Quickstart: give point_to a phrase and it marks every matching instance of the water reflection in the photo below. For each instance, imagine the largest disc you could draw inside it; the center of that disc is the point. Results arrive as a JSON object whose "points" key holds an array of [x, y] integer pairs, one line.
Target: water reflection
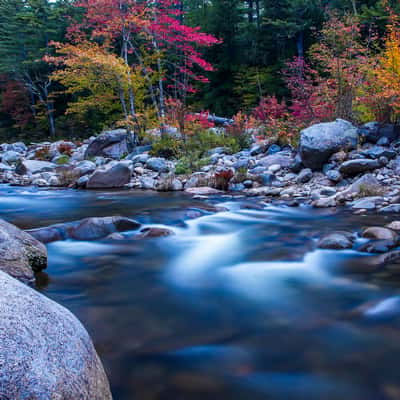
{"points": [[236, 305]]}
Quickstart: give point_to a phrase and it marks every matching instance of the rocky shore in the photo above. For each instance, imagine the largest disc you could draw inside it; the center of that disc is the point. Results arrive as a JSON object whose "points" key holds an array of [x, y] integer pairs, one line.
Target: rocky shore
{"points": [[335, 164]]}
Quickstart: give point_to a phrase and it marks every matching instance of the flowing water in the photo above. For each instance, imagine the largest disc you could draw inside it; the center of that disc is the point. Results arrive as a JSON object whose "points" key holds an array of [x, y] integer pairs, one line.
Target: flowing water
{"points": [[236, 304]]}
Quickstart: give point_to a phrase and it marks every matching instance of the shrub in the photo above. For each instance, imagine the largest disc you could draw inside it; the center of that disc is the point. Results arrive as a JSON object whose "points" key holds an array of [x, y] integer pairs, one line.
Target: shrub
{"points": [[167, 147]]}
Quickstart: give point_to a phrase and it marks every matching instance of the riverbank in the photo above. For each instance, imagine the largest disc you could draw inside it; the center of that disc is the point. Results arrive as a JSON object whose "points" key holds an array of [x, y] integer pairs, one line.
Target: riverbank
{"points": [[335, 164]]}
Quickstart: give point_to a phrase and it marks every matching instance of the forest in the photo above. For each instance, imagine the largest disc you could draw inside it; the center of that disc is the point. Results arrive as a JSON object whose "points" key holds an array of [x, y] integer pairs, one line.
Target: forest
{"points": [[70, 69]]}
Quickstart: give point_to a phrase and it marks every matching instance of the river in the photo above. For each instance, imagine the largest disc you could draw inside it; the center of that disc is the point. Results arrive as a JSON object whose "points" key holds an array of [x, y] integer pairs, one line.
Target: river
{"points": [[237, 304]]}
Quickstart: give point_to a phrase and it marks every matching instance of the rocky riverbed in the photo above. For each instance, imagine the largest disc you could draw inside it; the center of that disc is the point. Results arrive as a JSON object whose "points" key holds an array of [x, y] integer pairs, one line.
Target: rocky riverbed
{"points": [[335, 164], [225, 297]]}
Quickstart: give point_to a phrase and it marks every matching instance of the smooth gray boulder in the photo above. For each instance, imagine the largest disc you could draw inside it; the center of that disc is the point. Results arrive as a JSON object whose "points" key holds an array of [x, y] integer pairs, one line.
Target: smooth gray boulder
{"points": [[20, 254], [34, 167], [114, 144], [319, 142], [45, 352], [114, 177]]}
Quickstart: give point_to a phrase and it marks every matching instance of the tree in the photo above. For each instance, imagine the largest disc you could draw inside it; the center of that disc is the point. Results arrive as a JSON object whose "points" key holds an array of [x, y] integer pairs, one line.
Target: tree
{"points": [[35, 23]]}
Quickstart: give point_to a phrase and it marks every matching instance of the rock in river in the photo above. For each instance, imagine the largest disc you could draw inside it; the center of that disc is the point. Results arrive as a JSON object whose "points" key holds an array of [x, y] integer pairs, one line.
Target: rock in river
{"points": [[379, 233], [86, 229], [336, 241], [20, 253], [45, 352]]}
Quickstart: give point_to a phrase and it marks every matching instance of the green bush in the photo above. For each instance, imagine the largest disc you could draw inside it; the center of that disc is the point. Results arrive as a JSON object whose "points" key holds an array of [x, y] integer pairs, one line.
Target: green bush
{"points": [[167, 147]]}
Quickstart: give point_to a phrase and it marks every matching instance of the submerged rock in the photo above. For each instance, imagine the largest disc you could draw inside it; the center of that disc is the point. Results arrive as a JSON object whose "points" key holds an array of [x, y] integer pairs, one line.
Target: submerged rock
{"points": [[153, 232], [336, 241], [20, 254], [379, 233], [45, 352], [86, 229]]}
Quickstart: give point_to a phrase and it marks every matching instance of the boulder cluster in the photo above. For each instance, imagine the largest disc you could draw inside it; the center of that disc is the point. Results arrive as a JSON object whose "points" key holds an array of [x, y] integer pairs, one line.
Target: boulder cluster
{"points": [[335, 163]]}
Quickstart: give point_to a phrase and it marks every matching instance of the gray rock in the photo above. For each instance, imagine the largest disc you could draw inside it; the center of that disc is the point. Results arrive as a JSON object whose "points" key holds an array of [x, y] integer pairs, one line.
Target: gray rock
{"points": [[34, 167], [45, 352], [97, 228], [258, 149], [202, 191], [217, 150], [379, 233], [139, 158], [82, 182], [85, 167], [148, 183], [111, 144], [4, 167], [242, 163], [336, 241], [383, 141], [367, 184], [355, 167], [10, 157], [319, 142], [19, 147], [273, 149], [297, 164], [377, 246], [367, 203], [20, 254], [282, 159], [86, 229], [198, 179], [157, 164], [304, 176], [114, 177], [392, 208], [334, 175], [267, 179], [378, 151]]}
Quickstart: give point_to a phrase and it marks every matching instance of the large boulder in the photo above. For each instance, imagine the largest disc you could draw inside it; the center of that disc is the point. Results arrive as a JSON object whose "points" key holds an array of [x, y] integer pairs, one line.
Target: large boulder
{"points": [[112, 144], [319, 142], [20, 254], [87, 229], [113, 177], [45, 352], [34, 167]]}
